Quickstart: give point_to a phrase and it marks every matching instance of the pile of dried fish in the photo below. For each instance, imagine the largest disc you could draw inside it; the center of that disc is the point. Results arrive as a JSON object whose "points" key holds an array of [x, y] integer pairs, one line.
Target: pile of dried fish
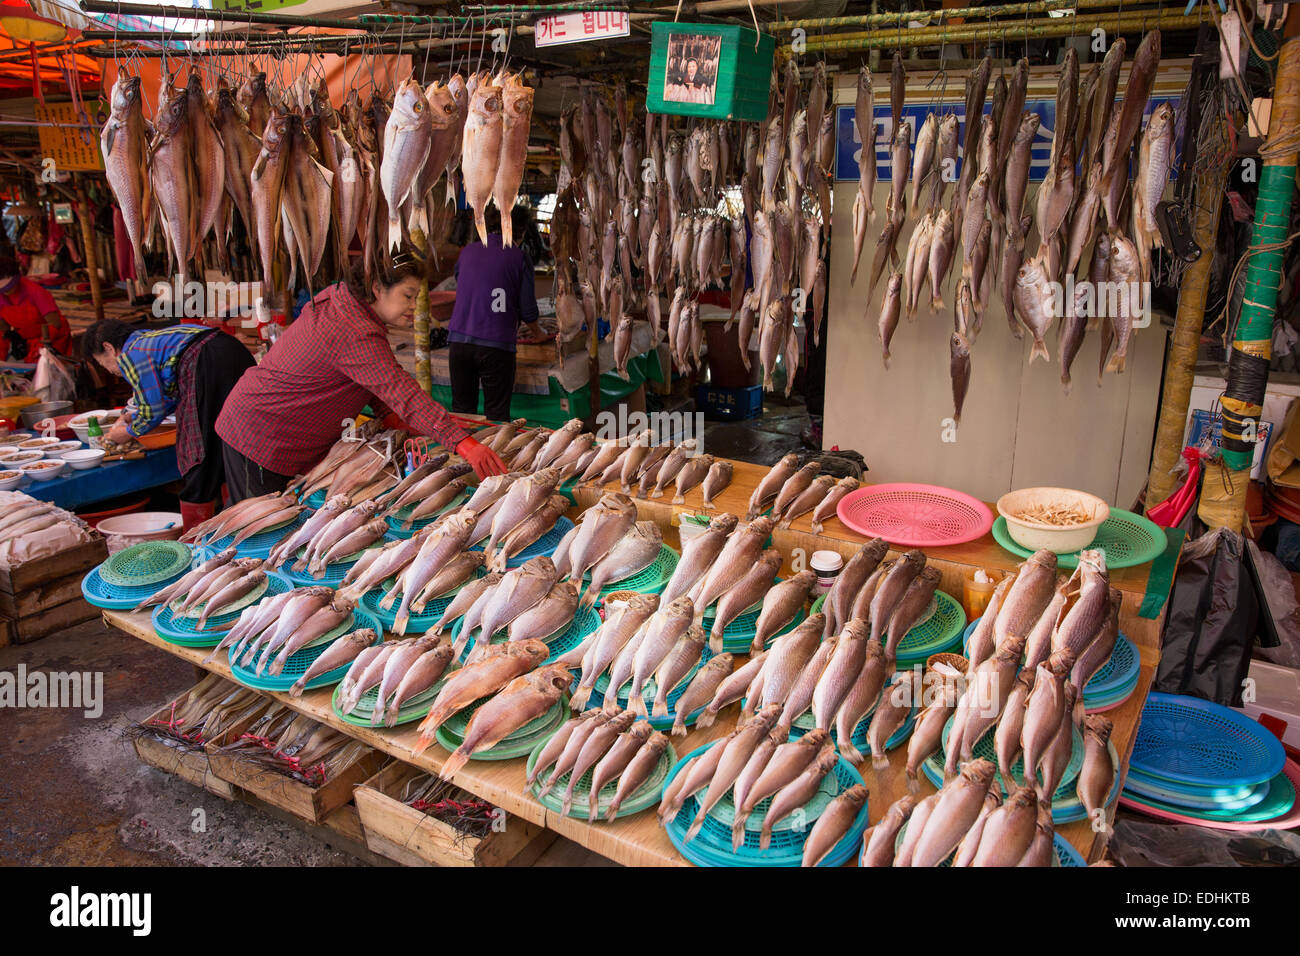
{"points": [[752, 763], [528, 602], [1034, 650], [213, 586], [274, 629], [296, 746], [211, 707], [891, 598], [791, 492], [609, 544], [617, 748], [399, 670], [427, 489], [1092, 134], [247, 518], [299, 177]]}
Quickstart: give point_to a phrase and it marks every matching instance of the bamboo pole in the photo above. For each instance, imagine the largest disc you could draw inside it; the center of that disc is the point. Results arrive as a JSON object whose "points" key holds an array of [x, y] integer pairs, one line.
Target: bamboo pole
{"points": [[1223, 498], [88, 241], [1123, 22], [423, 374], [1180, 364], [925, 17]]}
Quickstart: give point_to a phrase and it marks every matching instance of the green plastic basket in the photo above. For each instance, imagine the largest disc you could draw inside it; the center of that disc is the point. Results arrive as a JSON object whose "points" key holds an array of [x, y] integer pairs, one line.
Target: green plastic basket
{"points": [[739, 634], [940, 632], [414, 709], [522, 741], [649, 580], [985, 749], [585, 620], [416, 623], [149, 562], [643, 798], [648, 692], [1127, 538]]}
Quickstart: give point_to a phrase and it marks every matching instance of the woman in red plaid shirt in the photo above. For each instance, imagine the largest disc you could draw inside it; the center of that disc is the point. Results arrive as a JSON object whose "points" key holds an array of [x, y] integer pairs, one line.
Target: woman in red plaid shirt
{"points": [[332, 361]]}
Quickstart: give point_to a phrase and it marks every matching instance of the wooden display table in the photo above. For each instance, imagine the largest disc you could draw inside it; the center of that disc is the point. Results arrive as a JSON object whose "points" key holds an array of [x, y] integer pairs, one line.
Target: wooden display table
{"points": [[639, 840]]}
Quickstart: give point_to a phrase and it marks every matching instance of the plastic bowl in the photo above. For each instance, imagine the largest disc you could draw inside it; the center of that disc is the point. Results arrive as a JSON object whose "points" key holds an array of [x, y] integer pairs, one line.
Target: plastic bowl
{"points": [[44, 470], [83, 459], [9, 451], [62, 449], [21, 457], [126, 530], [38, 444], [81, 424], [10, 479], [1036, 535]]}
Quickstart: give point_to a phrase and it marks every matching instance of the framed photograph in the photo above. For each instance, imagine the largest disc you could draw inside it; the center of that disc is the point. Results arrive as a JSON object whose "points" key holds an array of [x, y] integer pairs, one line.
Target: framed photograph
{"points": [[691, 75]]}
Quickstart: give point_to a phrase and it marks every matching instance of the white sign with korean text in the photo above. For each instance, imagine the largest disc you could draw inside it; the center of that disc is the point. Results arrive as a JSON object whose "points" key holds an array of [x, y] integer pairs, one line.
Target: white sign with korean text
{"points": [[580, 27]]}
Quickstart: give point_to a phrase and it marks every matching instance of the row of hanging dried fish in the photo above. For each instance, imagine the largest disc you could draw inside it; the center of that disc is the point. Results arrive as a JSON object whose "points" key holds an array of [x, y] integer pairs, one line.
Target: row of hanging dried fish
{"points": [[1088, 176], [302, 179]]}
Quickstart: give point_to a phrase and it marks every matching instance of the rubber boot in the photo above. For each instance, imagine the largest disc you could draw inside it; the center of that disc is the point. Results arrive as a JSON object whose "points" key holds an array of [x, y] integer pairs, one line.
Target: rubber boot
{"points": [[195, 513]]}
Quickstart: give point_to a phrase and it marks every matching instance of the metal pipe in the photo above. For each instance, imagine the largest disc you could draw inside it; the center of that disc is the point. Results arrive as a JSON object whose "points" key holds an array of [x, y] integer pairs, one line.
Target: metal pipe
{"points": [[167, 12], [924, 17], [1124, 22]]}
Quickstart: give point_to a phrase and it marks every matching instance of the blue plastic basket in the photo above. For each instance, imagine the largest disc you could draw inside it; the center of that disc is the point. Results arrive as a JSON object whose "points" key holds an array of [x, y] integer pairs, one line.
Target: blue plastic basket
{"points": [[395, 521], [1207, 798], [712, 846], [1066, 854], [546, 544], [334, 573], [260, 545], [181, 630], [113, 597], [585, 620], [297, 664], [1278, 801], [1192, 741], [804, 723]]}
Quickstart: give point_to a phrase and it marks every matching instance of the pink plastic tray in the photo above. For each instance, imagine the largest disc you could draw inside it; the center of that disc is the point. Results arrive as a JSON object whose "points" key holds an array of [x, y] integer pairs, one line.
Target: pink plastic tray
{"points": [[915, 516], [1292, 819]]}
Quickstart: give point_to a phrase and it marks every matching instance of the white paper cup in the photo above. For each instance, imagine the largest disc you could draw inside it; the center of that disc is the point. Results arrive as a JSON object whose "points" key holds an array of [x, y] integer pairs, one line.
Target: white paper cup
{"points": [[827, 566]]}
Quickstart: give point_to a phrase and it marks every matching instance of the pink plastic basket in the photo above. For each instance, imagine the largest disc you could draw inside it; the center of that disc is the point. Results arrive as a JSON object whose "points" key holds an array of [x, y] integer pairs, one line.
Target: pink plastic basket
{"points": [[915, 516], [1292, 819]]}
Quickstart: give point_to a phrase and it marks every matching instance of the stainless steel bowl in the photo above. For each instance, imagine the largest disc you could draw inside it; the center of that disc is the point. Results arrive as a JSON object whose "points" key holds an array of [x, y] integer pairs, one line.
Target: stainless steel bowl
{"points": [[33, 414]]}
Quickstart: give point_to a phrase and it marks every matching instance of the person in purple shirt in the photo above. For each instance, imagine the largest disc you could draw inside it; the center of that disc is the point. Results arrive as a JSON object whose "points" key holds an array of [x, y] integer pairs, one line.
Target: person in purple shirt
{"points": [[494, 296]]}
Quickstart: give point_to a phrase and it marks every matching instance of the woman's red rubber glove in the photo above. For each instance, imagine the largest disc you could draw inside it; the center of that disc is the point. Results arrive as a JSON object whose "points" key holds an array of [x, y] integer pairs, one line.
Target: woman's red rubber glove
{"points": [[481, 458]]}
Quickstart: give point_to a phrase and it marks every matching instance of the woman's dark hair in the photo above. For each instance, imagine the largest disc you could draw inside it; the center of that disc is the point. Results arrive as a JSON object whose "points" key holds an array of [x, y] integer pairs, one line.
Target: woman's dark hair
{"points": [[112, 332], [8, 265], [405, 265]]}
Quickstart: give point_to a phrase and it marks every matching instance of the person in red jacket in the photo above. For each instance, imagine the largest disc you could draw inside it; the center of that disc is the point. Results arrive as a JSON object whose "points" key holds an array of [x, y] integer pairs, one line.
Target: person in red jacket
{"points": [[29, 319], [332, 361]]}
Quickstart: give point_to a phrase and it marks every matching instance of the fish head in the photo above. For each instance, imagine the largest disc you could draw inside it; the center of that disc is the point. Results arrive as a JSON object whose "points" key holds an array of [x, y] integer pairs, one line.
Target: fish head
{"points": [[126, 94], [485, 103], [556, 676], [681, 607], [531, 649], [442, 105], [279, 128], [1099, 726], [1059, 663], [815, 739], [517, 99], [541, 566], [364, 636], [643, 605], [979, 772], [409, 102], [771, 558], [173, 113]]}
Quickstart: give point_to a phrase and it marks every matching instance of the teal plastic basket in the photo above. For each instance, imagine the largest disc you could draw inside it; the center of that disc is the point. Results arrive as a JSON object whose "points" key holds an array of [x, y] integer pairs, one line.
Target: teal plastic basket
{"points": [[111, 597], [334, 573], [416, 623], [712, 846], [522, 741], [941, 632], [805, 722], [585, 620], [260, 544], [985, 749], [147, 563], [643, 798], [1066, 854], [1279, 800], [649, 580], [300, 661], [181, 629], [1128, 539]]}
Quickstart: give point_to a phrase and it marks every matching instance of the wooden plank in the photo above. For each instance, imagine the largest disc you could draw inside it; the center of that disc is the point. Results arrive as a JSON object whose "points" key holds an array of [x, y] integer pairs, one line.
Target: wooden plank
{"points": [[43, 623], [86, 555], [312, 804], [190, 765], [41, 597]]}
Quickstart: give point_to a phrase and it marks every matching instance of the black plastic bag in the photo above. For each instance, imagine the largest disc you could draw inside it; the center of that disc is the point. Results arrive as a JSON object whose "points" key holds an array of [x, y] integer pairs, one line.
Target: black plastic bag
{"points": [[1212, 620]]}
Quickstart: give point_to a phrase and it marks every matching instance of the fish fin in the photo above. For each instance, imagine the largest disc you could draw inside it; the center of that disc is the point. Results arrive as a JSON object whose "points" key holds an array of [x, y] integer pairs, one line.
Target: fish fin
{"points": [[1039, 349], [880, 761], [695, 827], [1115, 364], [455, 763], [850, 753], [706, 719]]}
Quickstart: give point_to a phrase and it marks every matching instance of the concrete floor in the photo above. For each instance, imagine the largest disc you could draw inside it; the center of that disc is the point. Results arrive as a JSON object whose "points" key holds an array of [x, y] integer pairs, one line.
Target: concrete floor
{"points": [[760, 440]]}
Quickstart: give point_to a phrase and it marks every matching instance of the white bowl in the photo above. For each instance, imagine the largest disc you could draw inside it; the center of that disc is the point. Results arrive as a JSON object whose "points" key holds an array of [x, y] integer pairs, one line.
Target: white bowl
{"points": [[81, 424], [9, 451], [61, 449], [1059, 539], [45, 470], [10, 479], [20, 458], [83, 459], [123, 531], [38, 444]]}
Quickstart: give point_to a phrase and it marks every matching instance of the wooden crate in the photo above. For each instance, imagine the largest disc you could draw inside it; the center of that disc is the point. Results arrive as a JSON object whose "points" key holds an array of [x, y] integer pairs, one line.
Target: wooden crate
{"points": [[312, 804], [83, 557], [407, 836], [41, 597], [46, 622], [192, 766]]}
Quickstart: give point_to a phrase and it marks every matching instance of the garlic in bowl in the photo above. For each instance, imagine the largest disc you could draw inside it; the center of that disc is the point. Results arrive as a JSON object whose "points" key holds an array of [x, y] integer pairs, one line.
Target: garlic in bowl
{"points": [[1060, 520]]}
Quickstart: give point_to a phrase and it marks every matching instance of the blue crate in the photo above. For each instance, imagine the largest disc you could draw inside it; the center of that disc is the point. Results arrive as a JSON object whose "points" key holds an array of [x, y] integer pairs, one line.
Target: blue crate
{"points": [[730, 404]]}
